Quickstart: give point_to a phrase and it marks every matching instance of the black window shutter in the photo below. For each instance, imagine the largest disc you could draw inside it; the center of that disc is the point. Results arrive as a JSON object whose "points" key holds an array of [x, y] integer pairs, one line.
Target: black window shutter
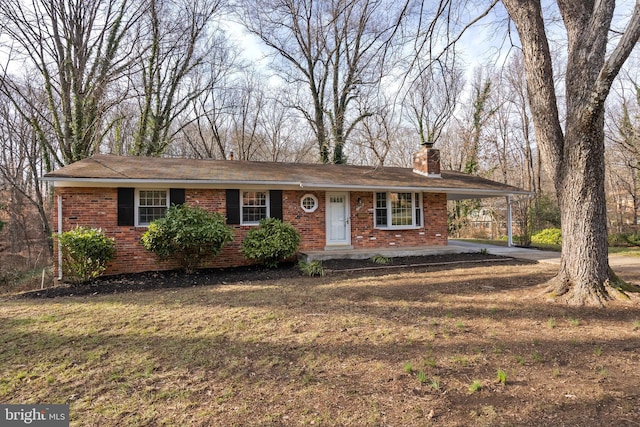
{"points": [[176, 196], [233, 206], [275, 204], [126, 206]]}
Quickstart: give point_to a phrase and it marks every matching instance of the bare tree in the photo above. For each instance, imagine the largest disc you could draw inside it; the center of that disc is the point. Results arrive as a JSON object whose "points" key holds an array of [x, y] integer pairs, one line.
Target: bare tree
{"points": [[516, 83], [79, 50], [248, 107], [282, 138], [623, 157], [179, 37], [208, 118], [333, 48], [432, 98], [482, 109], [20, 167], [573, 151], [379, 135]]}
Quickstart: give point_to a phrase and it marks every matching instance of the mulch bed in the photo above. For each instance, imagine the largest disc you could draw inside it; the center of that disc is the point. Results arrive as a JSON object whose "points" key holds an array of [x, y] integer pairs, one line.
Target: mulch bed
{"points": [[210, 276]]}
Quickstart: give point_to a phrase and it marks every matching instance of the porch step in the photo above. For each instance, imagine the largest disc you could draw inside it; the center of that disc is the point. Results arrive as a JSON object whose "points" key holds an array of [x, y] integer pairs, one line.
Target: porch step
{"points": [[325, 255]]}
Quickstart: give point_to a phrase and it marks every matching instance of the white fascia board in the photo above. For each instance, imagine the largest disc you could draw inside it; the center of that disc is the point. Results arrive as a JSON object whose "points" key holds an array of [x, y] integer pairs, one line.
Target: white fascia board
{"points": [[146, 183], [468, 193]]}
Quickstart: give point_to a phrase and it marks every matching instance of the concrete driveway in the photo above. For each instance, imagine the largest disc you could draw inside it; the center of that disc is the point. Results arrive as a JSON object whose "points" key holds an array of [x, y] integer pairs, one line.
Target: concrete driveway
{"points": [[627, 265]]}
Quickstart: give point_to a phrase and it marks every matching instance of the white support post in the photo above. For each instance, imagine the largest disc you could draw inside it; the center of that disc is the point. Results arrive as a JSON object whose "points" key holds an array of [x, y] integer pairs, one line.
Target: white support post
{"points": [[59, 233], [509, 223]]}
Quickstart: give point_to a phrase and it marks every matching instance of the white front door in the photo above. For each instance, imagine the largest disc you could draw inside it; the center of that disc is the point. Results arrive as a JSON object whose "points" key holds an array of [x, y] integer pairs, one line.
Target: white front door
{"points": [[338, 224]]}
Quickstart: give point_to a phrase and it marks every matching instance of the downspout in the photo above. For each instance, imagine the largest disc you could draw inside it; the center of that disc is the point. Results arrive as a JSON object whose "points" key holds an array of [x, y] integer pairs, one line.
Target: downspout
{"points": [[509, 223], [59, 233]]}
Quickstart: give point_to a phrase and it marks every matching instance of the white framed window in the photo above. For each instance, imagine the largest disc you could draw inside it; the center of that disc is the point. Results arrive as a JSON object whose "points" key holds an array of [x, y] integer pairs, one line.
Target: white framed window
{"points": [[398, 210], [254, 206], [150, 205], [309, 203]]}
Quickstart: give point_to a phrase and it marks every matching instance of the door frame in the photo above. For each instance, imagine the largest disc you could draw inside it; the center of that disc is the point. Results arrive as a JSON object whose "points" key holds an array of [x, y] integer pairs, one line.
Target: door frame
{"points": [[347, 213]]}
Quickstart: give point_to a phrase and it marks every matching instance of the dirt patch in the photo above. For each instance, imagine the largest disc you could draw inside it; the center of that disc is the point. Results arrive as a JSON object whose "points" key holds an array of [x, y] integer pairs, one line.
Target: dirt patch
{"points": [[207, 277]]}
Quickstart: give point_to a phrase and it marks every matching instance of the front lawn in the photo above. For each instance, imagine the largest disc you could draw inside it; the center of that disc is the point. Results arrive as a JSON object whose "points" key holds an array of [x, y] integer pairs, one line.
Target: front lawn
{"points": [[473, 345]]}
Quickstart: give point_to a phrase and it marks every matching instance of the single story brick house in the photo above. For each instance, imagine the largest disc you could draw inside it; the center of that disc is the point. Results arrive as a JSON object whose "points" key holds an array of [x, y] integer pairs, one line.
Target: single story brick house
{"points": [[332, 206]]}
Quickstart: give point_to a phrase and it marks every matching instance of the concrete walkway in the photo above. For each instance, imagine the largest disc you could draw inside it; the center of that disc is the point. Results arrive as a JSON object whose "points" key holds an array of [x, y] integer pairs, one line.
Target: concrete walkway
{"points": [[619, 263], [628, 265], [514, 252]]}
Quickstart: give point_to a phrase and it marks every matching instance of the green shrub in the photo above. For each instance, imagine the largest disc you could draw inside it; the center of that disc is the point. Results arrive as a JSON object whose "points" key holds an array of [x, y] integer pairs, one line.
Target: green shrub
{"points": [[380, 259], [548, 236], [634, 239], [85, 253], [618, 239], [546, 212], [270, 242], [313, 268], [624, 239], [188, 233]]}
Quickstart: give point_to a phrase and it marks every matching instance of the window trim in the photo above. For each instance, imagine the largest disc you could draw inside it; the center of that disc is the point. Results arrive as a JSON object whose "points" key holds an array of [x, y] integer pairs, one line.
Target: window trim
{"points": [[315, 203], [242, 206], [137, 204], [416, 223]]}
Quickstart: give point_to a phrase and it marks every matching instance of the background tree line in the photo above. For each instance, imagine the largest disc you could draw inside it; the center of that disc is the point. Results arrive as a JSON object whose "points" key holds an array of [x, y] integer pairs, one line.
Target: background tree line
{"points": [[358, 81]]}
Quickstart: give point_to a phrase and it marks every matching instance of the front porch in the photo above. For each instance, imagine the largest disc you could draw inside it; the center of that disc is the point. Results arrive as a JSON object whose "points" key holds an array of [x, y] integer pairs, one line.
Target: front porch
{"points": [[347, 252]]}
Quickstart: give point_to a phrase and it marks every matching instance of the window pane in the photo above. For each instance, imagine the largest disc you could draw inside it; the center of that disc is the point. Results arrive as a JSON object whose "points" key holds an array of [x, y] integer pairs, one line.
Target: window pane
{"points": [[309, 203], [254, 206], [401, 206], [254, 198], [152, 205], [381, 210], [148, 215]]}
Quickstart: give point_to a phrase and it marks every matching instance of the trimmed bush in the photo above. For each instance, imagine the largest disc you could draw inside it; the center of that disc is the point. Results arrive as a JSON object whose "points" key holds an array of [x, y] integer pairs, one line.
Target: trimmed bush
{"points": [[188, 233], [271, 242], [548, 236], [623, 239], [85, 253]]}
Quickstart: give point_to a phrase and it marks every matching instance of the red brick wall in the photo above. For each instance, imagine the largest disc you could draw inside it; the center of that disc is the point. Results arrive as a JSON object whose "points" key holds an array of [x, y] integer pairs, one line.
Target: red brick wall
{"points": [[365, 236], [310, 225], [97, 207]]}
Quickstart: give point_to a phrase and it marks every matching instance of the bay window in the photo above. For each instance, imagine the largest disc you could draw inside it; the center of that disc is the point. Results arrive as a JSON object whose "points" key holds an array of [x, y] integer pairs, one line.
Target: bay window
{"points": [[398, 210]]}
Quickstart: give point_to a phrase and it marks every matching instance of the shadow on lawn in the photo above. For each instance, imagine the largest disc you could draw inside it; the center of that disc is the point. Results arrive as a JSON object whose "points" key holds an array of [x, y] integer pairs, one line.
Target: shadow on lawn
{"points": [[327, 342], [411, 295], [334, 362]]}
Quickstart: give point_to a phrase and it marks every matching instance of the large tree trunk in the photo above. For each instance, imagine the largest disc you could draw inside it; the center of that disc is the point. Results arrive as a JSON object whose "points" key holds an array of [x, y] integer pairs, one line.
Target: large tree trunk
{"points": [[584, 265], [574, 157]]}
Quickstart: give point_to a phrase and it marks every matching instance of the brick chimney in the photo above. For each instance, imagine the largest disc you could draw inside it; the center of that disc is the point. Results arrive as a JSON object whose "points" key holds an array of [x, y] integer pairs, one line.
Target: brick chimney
{"points": [[427, 162]]}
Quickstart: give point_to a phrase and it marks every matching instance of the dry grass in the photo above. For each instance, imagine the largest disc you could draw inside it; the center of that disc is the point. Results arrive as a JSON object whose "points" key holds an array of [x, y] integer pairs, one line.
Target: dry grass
{"points": [[399, 349]]}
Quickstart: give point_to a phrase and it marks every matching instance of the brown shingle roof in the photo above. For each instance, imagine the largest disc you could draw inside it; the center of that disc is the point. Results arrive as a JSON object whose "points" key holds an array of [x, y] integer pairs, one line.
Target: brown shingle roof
{"points": [[107, 169]]}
